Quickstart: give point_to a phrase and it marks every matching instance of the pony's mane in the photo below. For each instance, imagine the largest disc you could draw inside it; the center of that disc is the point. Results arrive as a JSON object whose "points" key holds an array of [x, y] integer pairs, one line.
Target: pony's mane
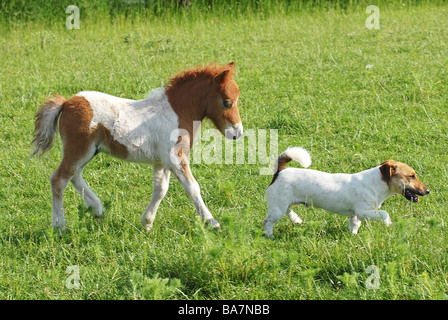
{"points": [[210, 71]]}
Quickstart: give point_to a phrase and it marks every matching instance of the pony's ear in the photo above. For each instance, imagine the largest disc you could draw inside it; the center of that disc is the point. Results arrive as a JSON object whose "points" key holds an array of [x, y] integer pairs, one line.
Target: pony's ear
{"points": [[388, 169], [225, 74]]}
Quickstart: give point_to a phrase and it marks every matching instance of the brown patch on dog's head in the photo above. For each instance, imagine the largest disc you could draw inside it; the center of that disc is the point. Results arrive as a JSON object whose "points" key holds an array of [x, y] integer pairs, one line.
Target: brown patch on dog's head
{"points": [[403, 180], [387, 169]]}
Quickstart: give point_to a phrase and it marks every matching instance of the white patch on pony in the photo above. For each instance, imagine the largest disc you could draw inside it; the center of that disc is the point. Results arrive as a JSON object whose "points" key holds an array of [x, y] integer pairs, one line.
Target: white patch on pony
{"points": [[143, 126]]}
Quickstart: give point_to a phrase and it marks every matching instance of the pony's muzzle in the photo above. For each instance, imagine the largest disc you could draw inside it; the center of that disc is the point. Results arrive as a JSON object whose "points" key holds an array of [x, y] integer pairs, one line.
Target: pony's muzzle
{"points": [[234, 131]]}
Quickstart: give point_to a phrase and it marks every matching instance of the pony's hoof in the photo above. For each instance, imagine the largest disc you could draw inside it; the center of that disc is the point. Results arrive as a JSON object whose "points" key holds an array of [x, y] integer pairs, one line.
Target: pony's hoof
{"points": [[61, 231], [214, 224], [148, 227]]}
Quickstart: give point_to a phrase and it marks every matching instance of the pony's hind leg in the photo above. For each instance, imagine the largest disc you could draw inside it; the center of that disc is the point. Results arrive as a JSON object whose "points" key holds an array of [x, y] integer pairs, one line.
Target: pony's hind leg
{"points": [[90, 198], [71, 170], [161, 181], [59, 180], [79, 140]]}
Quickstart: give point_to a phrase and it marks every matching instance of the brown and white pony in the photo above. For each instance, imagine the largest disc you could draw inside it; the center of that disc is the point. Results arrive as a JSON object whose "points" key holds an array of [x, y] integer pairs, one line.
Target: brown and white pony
{"points": [[157, 130]]}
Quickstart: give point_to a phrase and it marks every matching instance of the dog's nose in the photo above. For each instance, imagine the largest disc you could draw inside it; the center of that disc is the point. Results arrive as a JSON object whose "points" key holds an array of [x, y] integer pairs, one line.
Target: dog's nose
{"points": [[427, 191]]}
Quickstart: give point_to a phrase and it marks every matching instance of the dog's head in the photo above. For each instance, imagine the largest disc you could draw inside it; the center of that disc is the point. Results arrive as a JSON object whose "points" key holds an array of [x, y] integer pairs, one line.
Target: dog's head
{"points": [[403, 180]]}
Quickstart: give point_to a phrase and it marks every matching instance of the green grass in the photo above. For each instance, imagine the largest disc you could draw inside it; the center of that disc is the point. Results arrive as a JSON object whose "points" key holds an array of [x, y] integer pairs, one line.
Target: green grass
{"points": [[303, 73]]}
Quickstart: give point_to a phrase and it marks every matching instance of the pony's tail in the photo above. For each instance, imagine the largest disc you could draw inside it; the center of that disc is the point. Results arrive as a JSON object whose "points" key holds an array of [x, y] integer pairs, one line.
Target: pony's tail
{"points": [[295, 153], [46, 124]]}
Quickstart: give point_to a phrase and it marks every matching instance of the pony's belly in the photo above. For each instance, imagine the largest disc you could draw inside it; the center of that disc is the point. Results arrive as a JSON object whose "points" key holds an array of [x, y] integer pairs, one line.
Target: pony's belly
{"points": [[142, 156], [140, 150]]}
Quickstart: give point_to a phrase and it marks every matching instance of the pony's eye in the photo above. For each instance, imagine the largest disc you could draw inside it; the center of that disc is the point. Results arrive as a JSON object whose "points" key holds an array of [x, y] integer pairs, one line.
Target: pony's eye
{"points": [[227, 103]]}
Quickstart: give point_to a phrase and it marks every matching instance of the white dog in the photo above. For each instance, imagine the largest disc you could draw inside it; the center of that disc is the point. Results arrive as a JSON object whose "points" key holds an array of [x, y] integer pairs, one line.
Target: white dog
{"points": [[358, 195]]}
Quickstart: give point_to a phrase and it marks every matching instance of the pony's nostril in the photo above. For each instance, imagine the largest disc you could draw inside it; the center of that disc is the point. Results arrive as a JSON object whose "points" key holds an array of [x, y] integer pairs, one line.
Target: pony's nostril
{"points": [[234, 131]]}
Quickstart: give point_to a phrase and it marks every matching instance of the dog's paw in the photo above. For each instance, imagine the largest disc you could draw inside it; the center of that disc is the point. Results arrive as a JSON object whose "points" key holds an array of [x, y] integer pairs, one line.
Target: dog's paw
{"points": [[294, 217], [297, 220]]}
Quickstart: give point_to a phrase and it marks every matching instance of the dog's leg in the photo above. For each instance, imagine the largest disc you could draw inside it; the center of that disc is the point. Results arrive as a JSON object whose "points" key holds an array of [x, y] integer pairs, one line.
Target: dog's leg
{"points": [[161, 181], [269, 226], [275, 213], [353, 224], [294, 217], [375, 215]]}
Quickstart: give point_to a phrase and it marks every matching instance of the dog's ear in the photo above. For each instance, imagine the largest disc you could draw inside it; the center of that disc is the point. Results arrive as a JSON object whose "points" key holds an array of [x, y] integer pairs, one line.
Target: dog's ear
{"points": [[388, 169]]}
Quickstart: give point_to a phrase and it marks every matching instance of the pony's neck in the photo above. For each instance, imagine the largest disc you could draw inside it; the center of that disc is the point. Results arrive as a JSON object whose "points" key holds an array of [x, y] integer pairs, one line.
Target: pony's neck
{"points": [[189, 101]]}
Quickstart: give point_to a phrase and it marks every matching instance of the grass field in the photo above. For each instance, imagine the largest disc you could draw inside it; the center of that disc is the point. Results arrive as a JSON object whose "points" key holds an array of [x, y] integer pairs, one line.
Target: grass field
{"points": [[352, 96]]}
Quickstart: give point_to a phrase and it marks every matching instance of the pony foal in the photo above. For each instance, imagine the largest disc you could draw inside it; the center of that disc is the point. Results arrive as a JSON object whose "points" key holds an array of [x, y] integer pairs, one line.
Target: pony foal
{"points": [[157, 130]]}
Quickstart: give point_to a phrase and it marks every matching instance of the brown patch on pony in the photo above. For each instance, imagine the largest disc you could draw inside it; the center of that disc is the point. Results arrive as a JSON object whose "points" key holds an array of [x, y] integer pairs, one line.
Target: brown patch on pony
{"points": [[186, 170], [78, 137], [210, 71], [74, 128], [179, 153], [199, 92], [183, 143], [105, 137]]}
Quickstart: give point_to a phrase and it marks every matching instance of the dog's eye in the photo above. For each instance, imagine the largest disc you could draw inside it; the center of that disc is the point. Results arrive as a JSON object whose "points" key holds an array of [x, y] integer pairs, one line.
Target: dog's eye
{"points": [[412, 176], [227, 103]]}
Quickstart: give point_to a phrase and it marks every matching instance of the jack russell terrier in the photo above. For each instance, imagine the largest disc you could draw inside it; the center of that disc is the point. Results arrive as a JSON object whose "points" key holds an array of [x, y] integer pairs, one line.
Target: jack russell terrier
{"points": [[358, 195]]}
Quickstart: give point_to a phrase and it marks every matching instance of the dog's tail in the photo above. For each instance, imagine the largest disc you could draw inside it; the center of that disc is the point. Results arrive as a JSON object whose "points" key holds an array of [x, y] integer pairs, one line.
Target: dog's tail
{"points": [[46, 124], [292, 154]]}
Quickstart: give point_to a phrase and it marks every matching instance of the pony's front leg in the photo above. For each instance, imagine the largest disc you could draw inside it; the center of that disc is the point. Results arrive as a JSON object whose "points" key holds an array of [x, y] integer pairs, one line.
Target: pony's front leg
{"points": [[185, 177], [161, 181]]}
